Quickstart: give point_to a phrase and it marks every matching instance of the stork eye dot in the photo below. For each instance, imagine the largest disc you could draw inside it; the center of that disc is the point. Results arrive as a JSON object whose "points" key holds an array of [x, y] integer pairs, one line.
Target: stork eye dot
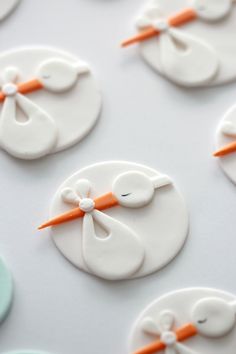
{"points": [[202, 321], [126, 195]]}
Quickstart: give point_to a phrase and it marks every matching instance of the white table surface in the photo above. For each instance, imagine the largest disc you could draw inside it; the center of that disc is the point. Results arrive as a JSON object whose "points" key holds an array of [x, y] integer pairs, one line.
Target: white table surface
{"points": [[145, 119]]}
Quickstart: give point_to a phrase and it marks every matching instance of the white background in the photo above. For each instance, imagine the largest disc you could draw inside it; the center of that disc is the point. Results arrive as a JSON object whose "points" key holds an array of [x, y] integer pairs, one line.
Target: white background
{"points": [[145, 119]]}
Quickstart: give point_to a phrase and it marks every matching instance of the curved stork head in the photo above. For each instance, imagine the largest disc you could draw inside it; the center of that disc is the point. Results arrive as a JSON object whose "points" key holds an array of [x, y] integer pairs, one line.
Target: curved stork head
{"points": [[214, 317], [212, 10], [59, 75], [135, 189]]}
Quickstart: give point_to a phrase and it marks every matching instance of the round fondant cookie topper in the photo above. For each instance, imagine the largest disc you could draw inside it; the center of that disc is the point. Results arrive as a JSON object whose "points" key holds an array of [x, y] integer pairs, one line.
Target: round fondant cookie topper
{"points": [[191, 42], [189, 321], [6, 7], [226, 143], [49, 101], [118, 220], [6, 290]]}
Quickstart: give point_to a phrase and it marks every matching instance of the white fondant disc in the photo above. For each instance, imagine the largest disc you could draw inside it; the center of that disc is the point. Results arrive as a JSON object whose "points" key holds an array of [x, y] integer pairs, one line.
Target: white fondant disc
{"points": [[182, 306], [161, 225], [68, 114], [6, 6], [220, 35], [228, 162], [6, 290]]}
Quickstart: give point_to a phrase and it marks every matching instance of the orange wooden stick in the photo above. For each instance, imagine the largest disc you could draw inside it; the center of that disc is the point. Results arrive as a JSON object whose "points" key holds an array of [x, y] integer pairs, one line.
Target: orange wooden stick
{"points": [[154, 347], [30, 86], [25, 87], [104, 202], [226, 150], [176, 20], [183, 333]]}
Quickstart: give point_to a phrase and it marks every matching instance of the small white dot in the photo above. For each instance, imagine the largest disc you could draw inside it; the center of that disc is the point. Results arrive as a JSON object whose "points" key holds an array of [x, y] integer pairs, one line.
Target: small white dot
{"points": [[87, 205], [9, 89], [169, 338], [161, 25]]}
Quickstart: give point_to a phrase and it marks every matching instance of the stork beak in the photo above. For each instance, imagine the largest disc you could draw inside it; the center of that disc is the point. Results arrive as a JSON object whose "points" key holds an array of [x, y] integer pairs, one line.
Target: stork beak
{"points": [[103, 202], [226, 150], [29, 86], [176, 20], [152, 348], [140, 37]]}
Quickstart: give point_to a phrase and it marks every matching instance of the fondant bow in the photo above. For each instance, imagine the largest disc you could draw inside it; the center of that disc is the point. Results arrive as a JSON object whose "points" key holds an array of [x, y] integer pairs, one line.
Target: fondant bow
{"points": [[169, 338]]}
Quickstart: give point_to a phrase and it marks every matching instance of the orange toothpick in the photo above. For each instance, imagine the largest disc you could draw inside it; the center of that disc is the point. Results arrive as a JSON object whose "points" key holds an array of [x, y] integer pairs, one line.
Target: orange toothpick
{"points": [[25, 87], [183, 333], [176, 20], [101, 203], [226, 150]]}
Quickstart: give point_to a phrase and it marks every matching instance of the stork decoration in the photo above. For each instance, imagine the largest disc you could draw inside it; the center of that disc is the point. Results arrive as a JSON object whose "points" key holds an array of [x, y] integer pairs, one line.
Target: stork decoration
{"points": [[210, 317], [226, 143], [38, 135], [186, 59], [6, 290], [228, 129], [121, 252]]}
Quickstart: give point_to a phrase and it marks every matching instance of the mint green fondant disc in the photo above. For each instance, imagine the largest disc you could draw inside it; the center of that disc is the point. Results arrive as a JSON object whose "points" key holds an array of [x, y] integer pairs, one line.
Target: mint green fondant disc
{"points": [[6, 290]]}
